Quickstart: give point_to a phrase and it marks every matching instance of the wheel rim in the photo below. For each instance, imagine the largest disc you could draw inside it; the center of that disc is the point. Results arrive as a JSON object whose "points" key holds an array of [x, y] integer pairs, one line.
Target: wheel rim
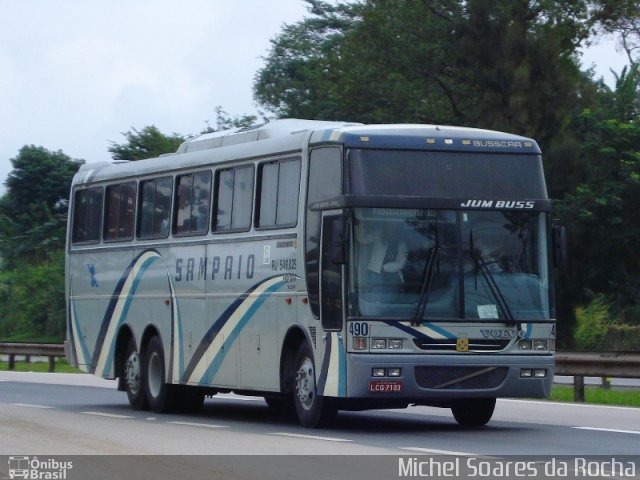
{"points": [[306, 384], [155, 374], [132, 372]]}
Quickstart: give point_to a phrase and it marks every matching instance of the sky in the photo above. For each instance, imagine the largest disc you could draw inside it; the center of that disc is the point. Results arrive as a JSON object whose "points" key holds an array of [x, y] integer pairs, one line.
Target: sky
{"points": [[76, 74]]}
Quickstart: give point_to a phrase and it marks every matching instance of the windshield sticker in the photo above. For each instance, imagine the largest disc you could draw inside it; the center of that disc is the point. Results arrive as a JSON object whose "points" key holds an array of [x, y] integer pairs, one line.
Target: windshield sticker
{"points": [[487, 311]]}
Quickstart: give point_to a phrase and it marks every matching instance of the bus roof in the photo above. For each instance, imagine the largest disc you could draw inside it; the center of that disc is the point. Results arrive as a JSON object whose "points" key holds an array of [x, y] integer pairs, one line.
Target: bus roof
{"points": [[291, 135]]}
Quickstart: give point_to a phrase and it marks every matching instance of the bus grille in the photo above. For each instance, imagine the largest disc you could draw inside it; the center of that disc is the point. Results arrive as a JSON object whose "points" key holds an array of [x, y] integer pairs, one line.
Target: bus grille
{"points": [[450, 345], [460, 378]]}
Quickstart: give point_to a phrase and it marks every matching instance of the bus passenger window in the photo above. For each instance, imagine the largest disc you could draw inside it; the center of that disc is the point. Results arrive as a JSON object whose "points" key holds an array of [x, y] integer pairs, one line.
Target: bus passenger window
{"points": [[120, 208], [155, 208], [87, 216], [192, 204], [234, 199], [279, 191]]}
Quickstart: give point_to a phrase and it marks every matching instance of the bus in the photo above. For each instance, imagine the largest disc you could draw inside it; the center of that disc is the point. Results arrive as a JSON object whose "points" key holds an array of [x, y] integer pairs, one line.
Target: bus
{"points": [[324, 266]]}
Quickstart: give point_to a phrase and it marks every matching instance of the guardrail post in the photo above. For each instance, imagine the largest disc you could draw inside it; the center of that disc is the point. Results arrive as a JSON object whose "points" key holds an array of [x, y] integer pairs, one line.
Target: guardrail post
{"points": [[12, 362], [52, 363], [578, 388]]}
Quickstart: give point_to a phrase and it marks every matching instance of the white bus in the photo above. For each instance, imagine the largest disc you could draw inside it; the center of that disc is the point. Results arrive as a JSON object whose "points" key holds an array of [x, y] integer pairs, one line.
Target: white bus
{"points": [[324, 266]]}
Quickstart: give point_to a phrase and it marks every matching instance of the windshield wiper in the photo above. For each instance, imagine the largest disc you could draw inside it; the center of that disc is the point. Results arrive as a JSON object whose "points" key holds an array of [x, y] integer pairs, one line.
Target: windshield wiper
{"points": [[491, 282], [426, 284]]}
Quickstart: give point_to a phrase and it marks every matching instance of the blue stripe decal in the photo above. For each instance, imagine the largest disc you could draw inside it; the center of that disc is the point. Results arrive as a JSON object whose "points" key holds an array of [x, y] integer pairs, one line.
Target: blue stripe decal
{"points": [[440, 330], [125, 310], [529, 330], [407, 329], [342, 373], [219, 358]]}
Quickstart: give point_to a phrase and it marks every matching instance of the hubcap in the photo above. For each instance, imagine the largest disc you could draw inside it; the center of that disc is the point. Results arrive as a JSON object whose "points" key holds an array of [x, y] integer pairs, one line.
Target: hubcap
{"points": [[306, 384], [155, 374], [132, 373]]}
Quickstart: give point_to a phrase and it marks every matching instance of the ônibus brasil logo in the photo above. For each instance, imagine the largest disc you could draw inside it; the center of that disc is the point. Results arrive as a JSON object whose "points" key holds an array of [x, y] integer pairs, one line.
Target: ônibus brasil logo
{"points": [[35, 469]]}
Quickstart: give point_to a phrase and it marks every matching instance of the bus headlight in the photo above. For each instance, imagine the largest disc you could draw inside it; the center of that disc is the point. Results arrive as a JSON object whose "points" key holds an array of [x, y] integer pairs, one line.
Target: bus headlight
{"points": [[395, 344], [540, 345], [525, 345], [378, 343]]}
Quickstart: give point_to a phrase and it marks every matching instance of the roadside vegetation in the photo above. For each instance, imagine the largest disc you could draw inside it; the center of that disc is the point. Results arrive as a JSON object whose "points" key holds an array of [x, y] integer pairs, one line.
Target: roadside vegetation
{"points": [[508, 65]]}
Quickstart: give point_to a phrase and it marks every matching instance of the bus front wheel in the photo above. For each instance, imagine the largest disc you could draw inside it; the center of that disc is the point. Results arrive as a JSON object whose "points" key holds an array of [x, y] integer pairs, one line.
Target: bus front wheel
{"points": [[133, 377], [473, 412], [160, 394], [313, 410]]}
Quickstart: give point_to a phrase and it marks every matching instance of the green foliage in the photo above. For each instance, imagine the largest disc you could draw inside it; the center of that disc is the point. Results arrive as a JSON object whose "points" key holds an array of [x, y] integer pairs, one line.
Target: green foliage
{"points": [[224, 121], [592, 322], [32, 299], [146, 143], [33, 211]]}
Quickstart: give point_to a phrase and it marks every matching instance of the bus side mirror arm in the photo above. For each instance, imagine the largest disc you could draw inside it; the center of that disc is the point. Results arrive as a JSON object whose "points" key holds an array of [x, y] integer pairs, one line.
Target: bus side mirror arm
{"points": [[559, 245]]}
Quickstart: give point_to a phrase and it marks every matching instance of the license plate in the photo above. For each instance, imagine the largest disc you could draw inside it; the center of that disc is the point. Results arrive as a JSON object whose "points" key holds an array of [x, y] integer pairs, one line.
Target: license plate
{"points": [[385, 386]]}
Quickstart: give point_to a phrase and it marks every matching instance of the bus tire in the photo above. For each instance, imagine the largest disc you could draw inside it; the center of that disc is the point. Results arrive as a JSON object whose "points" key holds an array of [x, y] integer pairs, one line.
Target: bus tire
{"points": [[160, 394], [133, 378], [473, 412], [313, 410]]}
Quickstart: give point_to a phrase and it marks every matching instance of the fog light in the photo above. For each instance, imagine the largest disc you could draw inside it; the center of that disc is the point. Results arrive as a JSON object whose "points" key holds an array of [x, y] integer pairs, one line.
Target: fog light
{"points": [[395, 372], [540, 373], [378, 343], [359, 343], [526, 373], [395, 343], [540, 345], [379, 372], [524, 345]]}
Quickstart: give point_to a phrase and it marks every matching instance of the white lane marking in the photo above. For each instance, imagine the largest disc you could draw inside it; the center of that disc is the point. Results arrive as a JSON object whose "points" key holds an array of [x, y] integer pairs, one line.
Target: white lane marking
{"points": [[442, 452], [30, 405], [613, 430], [110, 415], [568, 404], [311, 437], [151, 418], [194, 424]]}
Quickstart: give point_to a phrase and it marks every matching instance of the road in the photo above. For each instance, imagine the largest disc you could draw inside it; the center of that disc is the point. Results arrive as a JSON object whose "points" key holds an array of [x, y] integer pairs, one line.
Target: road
{"points": [[66, 414]]}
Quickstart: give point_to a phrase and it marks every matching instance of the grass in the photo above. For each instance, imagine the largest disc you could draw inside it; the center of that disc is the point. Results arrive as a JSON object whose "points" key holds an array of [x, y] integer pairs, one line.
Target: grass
{"points": [[598, 395], [61, 367], [30, 338]]}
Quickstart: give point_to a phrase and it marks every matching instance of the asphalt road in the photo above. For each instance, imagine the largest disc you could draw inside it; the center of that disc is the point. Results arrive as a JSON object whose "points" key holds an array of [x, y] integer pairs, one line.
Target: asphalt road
{"points": [[58, 414]]}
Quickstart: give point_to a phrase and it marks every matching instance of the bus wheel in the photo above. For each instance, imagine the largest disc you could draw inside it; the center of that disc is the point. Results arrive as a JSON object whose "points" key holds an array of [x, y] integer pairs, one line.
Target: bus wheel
{"points": [[312, 409], [133, 377], [473, 412], [160, 395]]}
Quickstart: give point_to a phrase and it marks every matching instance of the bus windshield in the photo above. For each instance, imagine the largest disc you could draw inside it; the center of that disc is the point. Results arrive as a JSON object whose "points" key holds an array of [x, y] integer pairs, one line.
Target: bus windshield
{"points": [[448, 265]]}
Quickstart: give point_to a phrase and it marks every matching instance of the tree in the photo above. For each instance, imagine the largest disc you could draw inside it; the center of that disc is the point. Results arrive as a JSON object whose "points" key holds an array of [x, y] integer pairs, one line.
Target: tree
{"points": [[622, 18], [146, 143], [224, 121], [33, 211]]}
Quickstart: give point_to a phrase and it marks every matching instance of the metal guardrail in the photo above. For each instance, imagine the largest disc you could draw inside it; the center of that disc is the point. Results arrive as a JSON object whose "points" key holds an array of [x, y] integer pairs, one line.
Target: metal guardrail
{"points": [[27, 350], [577, 365], [605, 365]]}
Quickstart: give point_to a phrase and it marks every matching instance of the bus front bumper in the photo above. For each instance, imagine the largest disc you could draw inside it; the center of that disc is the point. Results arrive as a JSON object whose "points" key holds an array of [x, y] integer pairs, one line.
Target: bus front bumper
{"points": [[417, 378]]}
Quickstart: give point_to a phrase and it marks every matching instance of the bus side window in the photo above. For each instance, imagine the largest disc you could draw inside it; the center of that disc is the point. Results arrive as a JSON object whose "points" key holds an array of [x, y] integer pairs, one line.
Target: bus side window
{"points": [[234, 199], [279, 191], [155, 208], [87, 216], [119, 211], [193, 200]]}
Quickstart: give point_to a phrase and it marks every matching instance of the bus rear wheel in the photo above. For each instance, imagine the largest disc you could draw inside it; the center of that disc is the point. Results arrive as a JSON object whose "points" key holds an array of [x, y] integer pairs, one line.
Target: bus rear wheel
{"points": [[133, 378], [313, 410], [473, 412], [160, 394]]}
